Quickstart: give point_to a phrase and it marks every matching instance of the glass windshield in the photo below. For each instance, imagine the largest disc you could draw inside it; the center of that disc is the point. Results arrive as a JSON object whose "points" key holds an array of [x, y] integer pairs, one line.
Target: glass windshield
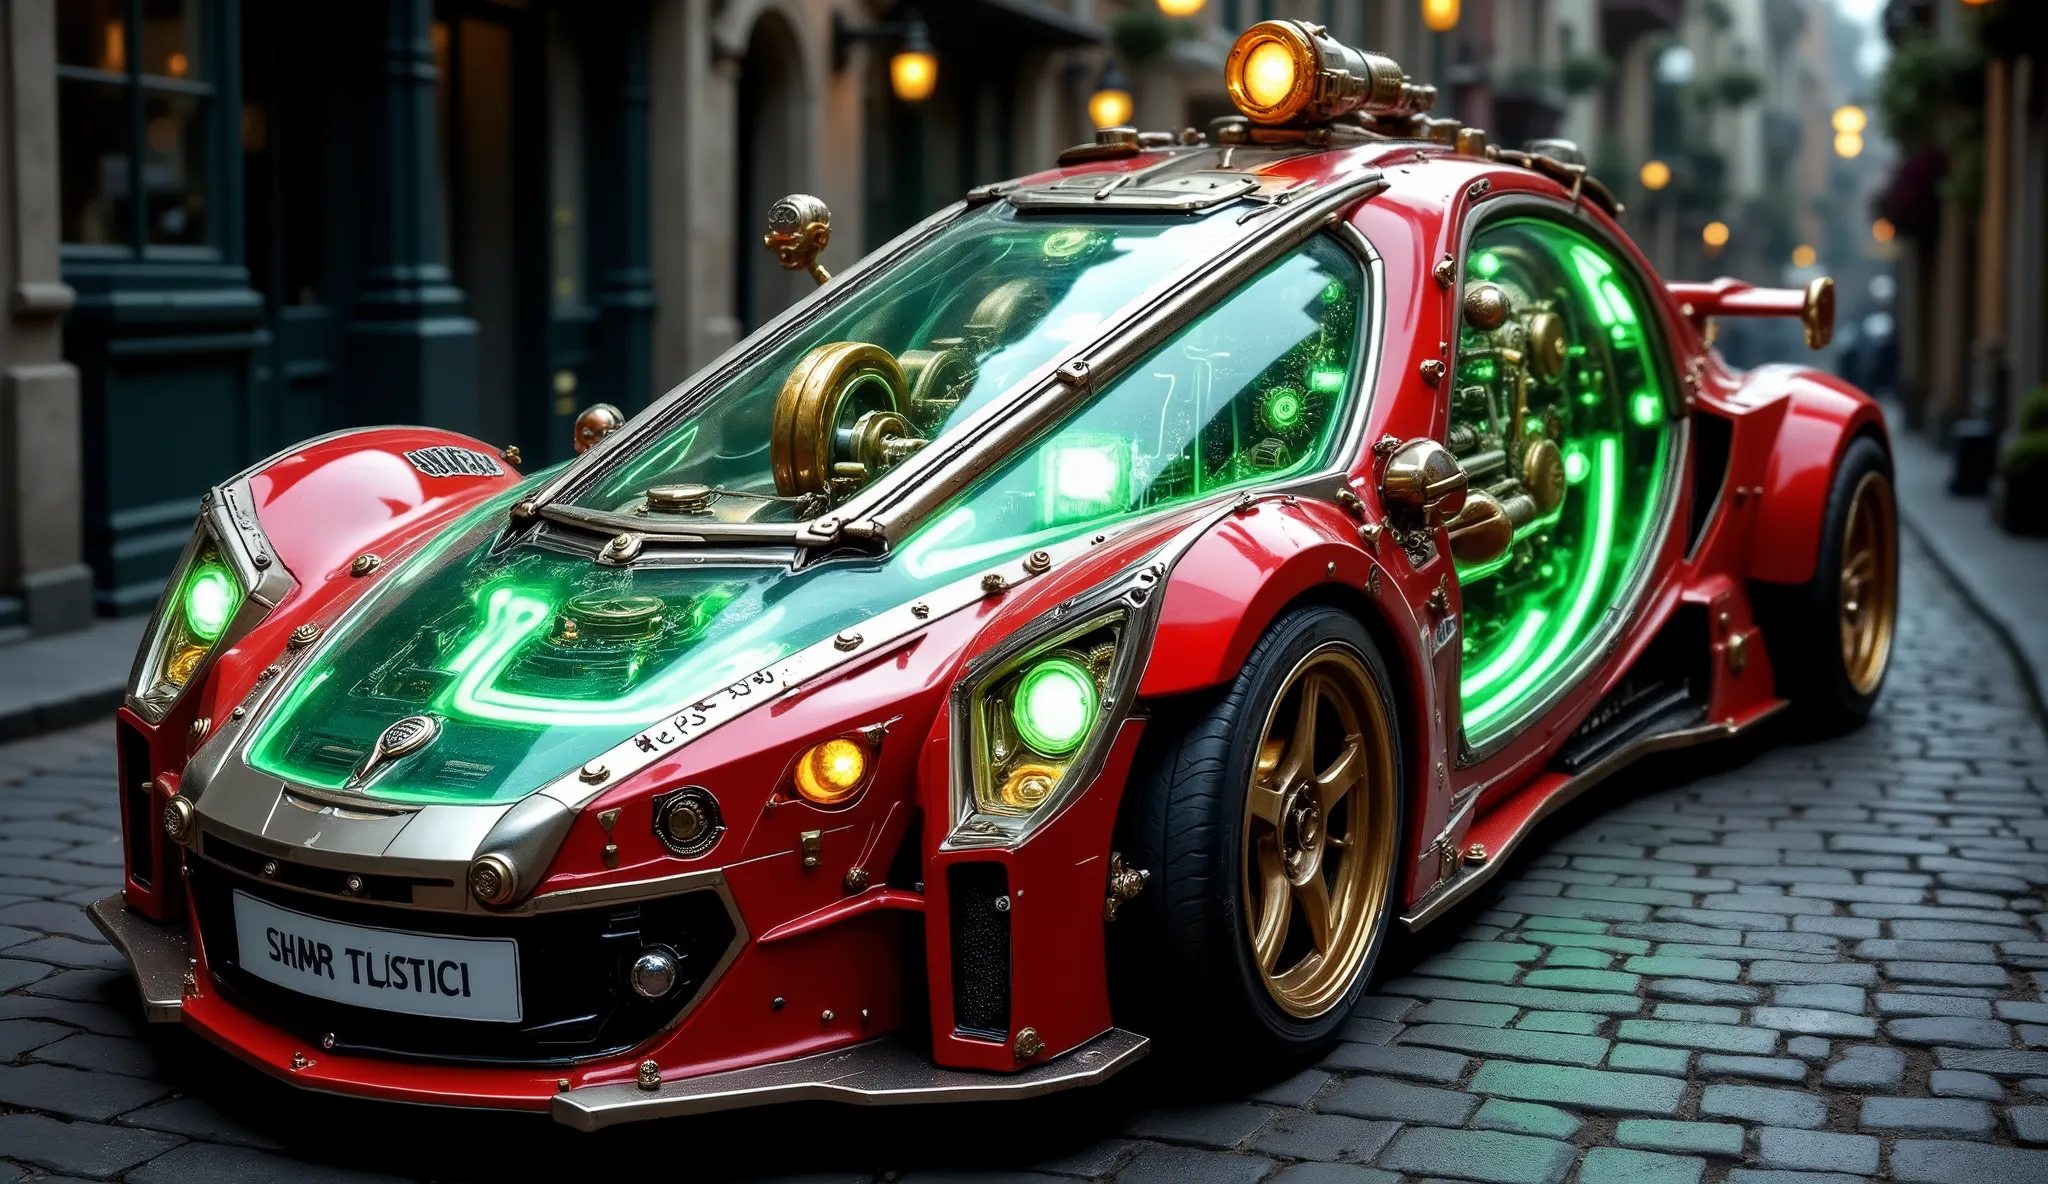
{"points": [[963, 318]]}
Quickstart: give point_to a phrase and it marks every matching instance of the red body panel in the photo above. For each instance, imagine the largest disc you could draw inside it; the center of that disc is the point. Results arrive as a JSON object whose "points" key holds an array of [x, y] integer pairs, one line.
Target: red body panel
{"points": [[825, 960]]}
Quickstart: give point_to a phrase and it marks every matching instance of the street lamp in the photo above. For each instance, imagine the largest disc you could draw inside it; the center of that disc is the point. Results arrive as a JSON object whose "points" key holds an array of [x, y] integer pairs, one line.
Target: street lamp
{"points": [[1181, 7], [913, 68], [1804, 255], [1110, 105], [1655, 175], [1715, 236], [1440, 15], [1883, 231], [1849, 121]]}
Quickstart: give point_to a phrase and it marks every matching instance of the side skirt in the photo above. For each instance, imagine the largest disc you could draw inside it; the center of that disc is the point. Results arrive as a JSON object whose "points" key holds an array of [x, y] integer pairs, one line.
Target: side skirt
{"points": [[1503, 828]]}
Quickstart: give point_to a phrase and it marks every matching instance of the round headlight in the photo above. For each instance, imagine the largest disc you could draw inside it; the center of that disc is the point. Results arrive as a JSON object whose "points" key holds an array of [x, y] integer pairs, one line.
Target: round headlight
{"points": [[1283, 72], [830, 773], [492, 879], [210, 597], [655, 972], [1055, 706]]}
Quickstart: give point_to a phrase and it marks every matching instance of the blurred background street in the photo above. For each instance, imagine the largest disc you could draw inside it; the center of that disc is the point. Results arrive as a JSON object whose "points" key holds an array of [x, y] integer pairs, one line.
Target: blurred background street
{"points": [[230, 225]]}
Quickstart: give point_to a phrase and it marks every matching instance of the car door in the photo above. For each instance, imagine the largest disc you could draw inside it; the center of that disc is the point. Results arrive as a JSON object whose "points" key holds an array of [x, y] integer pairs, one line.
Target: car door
{"points": [[1561, 414]]}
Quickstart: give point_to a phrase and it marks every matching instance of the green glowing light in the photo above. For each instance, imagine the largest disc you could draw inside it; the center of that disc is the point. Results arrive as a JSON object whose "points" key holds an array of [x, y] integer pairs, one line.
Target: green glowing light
{"points": [[1066, 243], [1333, 292], [1510, 656], [1055, 706], [1084, 477], [1586, 592], [1489, 264], [1576, 466], [1482, 370], [1283, 409], [1327, 379], [211, 598], [1646, 407]]}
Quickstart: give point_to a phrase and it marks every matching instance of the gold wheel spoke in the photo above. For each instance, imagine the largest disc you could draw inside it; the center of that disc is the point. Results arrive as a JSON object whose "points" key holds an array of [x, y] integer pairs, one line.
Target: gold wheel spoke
{"points": [[1336, 781], [1315, 907], [1301, 746], [1274, 908], [1267, 803]]}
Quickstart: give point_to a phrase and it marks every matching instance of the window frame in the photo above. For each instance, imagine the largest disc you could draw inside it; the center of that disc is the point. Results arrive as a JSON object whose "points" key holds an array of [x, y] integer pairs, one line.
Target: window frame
{"points": [[215, 49], [1598, 646]]}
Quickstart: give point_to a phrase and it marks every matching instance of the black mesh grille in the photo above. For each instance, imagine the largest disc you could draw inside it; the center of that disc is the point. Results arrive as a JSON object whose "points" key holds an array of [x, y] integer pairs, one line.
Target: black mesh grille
{"points": [[980, 895], [575, 998], [1712, 436]]}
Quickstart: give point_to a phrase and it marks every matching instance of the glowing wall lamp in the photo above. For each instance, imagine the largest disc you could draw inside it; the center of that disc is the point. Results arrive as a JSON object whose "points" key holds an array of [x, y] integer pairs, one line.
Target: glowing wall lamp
{"points": [[1440, 15], [913, 68], [1715, 236], [1110, 105], [1883, 231], [1849, 122], [1655, 175]]}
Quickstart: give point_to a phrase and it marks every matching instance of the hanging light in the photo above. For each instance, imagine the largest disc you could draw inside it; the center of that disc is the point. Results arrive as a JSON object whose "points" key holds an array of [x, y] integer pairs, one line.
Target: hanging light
{"points": [[1850, 118], [1715, 236], [1848, 145], [1804, 255], [1655, 175], [1110, 105], [914, 68], [1181, 7], [1883, 231], [1440, 15]]}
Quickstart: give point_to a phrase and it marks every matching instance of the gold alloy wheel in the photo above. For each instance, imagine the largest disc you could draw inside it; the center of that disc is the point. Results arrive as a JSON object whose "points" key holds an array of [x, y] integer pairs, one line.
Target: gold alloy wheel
{"points": [[1319, 829], [1869, 592]]}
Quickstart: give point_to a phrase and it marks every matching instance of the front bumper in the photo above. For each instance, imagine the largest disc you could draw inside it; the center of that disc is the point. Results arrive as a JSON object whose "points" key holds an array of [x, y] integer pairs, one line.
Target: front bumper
{"points": [[881, 1072]]}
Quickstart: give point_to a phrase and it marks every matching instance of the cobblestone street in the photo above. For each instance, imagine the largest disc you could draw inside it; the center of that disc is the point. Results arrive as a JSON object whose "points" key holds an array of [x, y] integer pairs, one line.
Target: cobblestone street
{"points": [[1818, 959]]}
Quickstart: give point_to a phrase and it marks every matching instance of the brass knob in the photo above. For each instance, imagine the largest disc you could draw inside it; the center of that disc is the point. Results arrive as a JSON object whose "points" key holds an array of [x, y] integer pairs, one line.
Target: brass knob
{"points": [[1482, 532], [1424, 482], [1486, 307], [595, 423], [1548, 348], [799, 226], [1543, 474], [678, 499]]}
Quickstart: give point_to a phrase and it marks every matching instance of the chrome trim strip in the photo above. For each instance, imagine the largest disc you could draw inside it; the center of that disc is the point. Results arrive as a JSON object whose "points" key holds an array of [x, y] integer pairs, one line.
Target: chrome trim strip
{"points": [[158, 956], [1471, 876], [879, 1073]]}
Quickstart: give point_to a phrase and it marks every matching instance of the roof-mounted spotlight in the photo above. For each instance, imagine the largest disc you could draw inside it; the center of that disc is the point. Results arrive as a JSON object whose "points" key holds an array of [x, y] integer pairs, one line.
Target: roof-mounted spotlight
{"points": [[1294, 72]]}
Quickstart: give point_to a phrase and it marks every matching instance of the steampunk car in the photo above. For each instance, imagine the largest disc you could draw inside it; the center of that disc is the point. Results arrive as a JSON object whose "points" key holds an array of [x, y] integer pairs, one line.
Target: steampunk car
{"points": [[1100, 615]]}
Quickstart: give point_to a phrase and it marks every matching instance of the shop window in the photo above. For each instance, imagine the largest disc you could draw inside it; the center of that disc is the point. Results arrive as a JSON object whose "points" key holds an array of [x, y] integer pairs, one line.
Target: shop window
{"points": [[133, 104]]}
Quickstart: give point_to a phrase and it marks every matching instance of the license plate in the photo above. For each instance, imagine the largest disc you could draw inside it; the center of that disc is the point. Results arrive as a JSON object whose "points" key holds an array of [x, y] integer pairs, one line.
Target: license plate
{"points": [[464, 978]]}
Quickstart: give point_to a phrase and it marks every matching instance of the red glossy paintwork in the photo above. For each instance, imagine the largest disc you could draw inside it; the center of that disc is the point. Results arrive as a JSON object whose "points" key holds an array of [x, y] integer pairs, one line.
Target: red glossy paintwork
{"points": [[825, 961]]}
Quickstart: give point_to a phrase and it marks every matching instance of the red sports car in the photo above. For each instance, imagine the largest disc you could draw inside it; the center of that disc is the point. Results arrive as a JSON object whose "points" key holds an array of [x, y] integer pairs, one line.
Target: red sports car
{"points": [[1098, 616]]}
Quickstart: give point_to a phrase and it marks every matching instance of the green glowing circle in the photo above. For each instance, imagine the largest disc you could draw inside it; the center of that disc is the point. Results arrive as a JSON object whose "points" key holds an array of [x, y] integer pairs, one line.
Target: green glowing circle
{"points": [[1489, 264], [1055, 706], [1576, 466], [209, 602], [1065, 244], [1647, 408], [1283, 409]]}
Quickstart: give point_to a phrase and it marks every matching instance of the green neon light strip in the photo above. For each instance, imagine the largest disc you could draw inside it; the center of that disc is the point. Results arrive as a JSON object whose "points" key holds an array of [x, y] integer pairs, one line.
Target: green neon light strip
{"points": [[1585, 595], [1510, 656]]}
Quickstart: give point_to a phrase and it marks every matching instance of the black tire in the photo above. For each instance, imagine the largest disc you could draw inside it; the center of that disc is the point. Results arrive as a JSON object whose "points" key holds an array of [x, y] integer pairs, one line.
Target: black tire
{"points": [[1181, 953], [1802, 622]]}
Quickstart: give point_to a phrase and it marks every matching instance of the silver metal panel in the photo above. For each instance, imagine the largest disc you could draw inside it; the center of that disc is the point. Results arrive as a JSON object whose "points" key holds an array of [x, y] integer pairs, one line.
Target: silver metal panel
{"points": [[879, 1073], [158, 956], [445, 833], [1184, 193]]}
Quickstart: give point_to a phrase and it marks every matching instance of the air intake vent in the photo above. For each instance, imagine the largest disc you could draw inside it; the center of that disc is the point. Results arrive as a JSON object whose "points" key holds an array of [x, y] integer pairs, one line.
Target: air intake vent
{"points": [[1711, 437], [981, 949]]}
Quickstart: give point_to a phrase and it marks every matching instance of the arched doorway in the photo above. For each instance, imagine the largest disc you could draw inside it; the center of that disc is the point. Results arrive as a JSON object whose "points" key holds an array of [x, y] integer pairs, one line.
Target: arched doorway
{"points": [[772, 136]]}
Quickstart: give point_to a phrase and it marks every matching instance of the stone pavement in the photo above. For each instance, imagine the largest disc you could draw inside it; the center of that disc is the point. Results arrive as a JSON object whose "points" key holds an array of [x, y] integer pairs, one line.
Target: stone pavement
{"points": [[1797, 964]]}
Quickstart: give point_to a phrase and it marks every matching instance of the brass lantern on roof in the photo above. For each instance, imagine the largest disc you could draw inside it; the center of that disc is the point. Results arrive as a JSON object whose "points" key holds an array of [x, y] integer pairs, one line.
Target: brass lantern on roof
{"points": [[1294, 72]]}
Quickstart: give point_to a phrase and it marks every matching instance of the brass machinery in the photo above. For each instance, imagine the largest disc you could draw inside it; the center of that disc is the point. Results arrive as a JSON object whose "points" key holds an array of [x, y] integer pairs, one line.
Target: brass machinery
{"points": [[1508, 416]]}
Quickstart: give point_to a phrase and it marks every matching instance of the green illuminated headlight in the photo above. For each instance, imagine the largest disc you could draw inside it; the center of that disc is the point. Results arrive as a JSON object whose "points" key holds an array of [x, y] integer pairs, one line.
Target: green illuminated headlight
{"points": [[195, 617], [1055, 706], [209, 601], [1033, 716], [1282, 409]]}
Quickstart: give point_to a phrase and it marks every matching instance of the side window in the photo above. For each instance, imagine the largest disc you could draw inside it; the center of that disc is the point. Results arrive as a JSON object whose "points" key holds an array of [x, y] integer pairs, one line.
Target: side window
{"points": [[1252, 391], [1559, 416]]}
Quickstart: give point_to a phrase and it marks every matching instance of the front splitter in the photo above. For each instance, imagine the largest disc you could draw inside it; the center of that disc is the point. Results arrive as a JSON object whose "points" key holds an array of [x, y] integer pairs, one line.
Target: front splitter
{"points": [[881, 1072]]}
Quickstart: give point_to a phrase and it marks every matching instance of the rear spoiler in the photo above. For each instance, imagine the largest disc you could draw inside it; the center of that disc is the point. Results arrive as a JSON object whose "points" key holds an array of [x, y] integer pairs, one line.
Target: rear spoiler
{"points": [[1815, 306]]}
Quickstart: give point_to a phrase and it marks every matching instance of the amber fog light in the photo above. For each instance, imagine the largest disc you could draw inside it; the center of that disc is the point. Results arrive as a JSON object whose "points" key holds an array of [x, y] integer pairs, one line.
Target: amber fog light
{"points": [[178, 819], [492, 879], [828, 774]]}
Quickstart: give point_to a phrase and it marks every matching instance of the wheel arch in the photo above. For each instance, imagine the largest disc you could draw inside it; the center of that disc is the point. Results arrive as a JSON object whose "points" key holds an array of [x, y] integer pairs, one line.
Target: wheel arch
{"points": [[1822, 417]]}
